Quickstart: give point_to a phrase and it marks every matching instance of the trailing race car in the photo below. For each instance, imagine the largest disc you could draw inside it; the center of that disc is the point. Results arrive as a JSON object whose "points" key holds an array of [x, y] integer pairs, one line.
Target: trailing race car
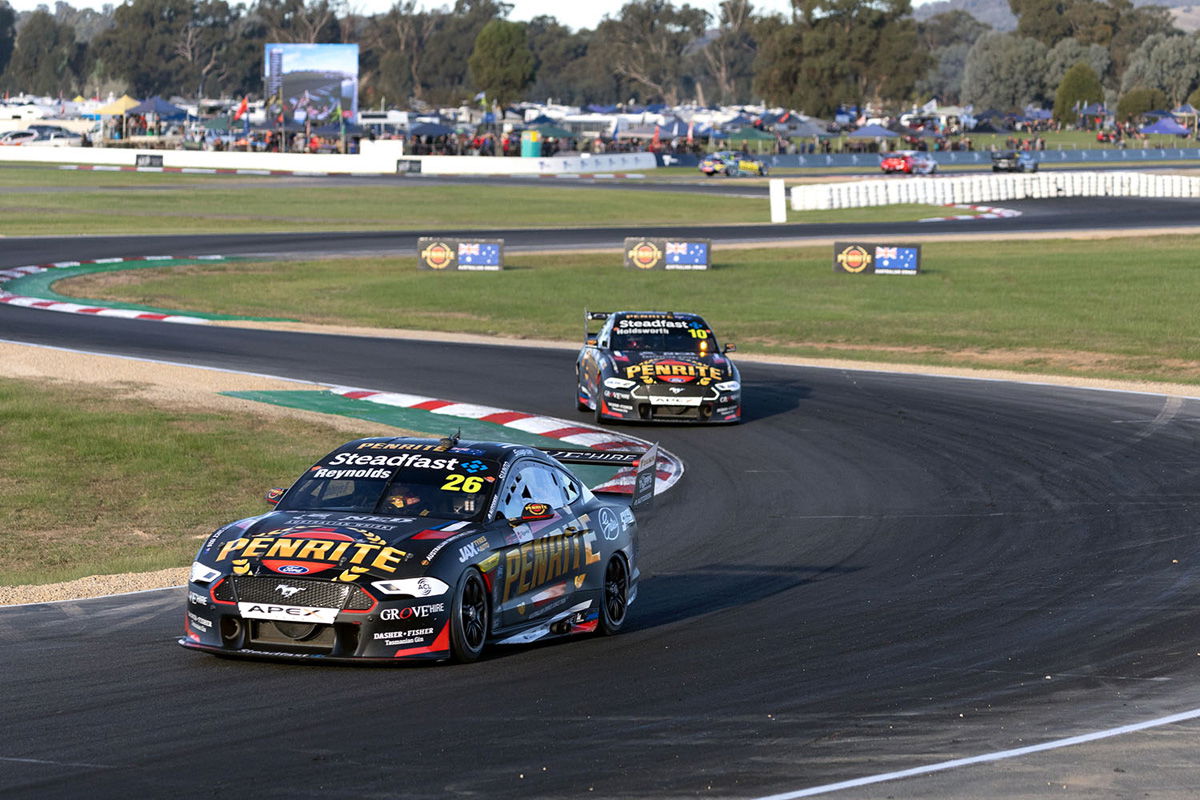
{"points": [[656, 366], [1014, 161], [401, 548], [732, 163], [912, 162]]}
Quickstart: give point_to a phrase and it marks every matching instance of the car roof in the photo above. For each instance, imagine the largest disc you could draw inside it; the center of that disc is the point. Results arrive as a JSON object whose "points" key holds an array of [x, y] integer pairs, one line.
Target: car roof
{"points": [[498, 451], [682, 315]]}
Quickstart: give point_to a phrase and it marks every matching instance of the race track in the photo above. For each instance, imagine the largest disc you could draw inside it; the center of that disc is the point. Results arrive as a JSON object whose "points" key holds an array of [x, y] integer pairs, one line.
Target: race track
{"points": [[874, 572]]}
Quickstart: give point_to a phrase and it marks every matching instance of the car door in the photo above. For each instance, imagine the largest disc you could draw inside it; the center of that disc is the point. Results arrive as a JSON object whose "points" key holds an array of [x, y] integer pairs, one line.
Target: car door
{"points": [[546, 558]]}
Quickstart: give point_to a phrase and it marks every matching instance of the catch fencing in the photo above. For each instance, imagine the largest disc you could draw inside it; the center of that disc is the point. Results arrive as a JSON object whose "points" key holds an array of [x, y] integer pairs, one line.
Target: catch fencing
{"points": [[975, 189]]}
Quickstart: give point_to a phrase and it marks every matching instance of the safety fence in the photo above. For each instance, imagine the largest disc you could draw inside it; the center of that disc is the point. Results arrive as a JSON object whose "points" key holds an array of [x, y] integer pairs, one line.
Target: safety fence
{"points": [[973, 189]]}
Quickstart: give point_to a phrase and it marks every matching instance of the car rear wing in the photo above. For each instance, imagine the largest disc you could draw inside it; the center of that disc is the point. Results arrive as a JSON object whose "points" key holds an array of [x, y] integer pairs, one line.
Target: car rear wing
{"points": [[644, 467], [588, 316]]}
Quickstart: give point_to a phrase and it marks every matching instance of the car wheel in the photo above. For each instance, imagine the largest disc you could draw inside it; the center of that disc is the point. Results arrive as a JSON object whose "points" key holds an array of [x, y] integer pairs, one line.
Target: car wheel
{"points": [[733, 172], [469, 618], [764, 171], [614, 605]]}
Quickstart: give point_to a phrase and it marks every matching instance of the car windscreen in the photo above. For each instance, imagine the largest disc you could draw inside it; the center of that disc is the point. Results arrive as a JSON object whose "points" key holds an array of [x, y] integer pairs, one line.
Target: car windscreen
{"points": [[662, 335], [404, 485]]}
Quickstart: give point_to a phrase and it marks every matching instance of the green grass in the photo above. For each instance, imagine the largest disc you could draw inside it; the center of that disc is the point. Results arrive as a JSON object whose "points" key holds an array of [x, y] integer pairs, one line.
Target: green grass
{"points": [[98, 483], [1117, 308]]}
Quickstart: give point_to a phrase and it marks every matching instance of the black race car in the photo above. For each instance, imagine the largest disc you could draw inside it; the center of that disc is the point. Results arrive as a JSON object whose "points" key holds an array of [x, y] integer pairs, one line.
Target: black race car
{"points": [[656, 366], [401, 548]]}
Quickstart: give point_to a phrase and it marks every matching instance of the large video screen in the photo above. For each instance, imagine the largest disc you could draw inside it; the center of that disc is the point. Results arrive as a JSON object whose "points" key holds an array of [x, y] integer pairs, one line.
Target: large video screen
{"points": [[312, 81]]}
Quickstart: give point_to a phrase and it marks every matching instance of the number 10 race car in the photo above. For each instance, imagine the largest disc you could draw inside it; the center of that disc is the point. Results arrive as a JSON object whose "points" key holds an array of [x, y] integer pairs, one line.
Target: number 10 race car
{"points": [[656, 366], [397, 548]]}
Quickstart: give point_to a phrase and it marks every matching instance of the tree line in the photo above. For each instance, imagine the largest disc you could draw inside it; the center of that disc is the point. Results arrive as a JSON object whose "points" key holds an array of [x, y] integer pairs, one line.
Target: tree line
{"points": [[825, 54]]}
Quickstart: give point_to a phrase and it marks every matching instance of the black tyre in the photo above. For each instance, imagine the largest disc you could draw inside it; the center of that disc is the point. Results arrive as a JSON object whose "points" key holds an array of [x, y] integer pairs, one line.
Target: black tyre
{"points": [[596, 415], [469, 617], [614, 604], [579, 404]]}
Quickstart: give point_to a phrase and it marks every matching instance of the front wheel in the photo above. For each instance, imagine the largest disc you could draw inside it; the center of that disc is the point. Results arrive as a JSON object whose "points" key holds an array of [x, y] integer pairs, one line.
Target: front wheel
{"points": [[614, 606], [469, 618]]}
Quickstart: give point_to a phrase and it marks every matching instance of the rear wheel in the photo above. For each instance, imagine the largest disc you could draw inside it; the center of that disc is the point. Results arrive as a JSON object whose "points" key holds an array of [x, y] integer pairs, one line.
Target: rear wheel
{"points": [[469, 618], [614, 605]]}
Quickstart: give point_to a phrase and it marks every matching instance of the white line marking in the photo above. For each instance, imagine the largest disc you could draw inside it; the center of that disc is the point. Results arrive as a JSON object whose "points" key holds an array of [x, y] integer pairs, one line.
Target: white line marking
{"points": [[54, 763], [989, 757]]}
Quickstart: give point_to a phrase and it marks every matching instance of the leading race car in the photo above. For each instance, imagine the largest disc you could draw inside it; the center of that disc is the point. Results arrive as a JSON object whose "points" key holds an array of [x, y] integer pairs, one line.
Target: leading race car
{"points": [[402, 548], [656, 366], [912, 162], [732, 163]]}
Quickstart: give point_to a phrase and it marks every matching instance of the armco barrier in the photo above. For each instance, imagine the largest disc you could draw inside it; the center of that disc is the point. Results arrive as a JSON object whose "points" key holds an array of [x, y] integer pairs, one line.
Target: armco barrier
{"points": [[989, 188]]}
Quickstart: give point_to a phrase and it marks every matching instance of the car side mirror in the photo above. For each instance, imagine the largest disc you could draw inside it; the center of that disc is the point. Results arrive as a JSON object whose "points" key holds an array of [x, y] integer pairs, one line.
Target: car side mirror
{"points": [[273, 495], [536, 511], [729, 348]]}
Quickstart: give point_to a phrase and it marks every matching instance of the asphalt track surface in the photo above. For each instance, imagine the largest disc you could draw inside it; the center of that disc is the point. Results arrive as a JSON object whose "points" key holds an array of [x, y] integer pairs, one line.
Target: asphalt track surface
{"points": [[874, 572]]}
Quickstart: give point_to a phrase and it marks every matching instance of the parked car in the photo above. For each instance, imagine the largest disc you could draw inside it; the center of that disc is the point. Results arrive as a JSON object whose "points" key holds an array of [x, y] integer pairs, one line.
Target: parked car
{"points": [[42, 136]]}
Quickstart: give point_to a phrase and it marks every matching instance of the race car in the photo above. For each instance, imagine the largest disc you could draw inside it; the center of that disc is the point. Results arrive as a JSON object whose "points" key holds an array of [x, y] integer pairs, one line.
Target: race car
{"points": [[656, 366], [1014, 161], [731, 163], [393, 549], [912, 162]]}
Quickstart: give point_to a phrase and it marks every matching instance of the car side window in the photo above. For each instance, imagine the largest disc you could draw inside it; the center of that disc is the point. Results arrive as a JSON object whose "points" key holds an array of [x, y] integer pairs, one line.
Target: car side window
{"points": [[531, 482]]}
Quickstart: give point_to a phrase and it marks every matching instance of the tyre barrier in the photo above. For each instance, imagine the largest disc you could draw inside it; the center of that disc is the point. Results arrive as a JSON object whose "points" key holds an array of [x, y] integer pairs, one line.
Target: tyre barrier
{"points": [[977, 189]]}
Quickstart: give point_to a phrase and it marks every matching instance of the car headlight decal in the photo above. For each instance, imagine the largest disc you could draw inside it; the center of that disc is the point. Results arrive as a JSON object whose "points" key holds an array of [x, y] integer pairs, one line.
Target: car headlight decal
{"points": [[416, 587], [619, 383], [202, 574], [729, 386]]}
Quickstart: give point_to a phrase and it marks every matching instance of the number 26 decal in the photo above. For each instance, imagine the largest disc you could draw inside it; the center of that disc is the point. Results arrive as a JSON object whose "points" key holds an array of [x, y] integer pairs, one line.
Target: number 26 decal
{"points": [[462, 483]]}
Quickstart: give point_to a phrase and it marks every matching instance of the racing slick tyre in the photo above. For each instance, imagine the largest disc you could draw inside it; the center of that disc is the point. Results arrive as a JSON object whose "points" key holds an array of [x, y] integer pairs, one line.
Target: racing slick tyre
{"points": [[763, 172], [733, 172], [597, 417], [614, 605], [468, 618]]}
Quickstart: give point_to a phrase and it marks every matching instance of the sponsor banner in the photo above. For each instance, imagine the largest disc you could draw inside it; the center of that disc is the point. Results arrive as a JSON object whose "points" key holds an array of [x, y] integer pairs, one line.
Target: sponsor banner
{"points": [[652, 253], [281, 613], [876, 258], [643, 477], [462, 255]]}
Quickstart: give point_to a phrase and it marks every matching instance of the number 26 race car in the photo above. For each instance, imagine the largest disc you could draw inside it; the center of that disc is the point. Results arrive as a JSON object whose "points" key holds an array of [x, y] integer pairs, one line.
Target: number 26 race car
{"points": [[656, 366], [397, 548]]}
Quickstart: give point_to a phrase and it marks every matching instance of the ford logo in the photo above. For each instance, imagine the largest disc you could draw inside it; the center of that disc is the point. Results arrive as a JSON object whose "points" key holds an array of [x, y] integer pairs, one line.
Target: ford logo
{"points": [[292, 569]]}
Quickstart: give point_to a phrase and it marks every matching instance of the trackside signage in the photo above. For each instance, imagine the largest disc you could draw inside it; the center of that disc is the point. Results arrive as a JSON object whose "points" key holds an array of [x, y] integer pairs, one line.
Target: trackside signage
{"points": [[649, 253], [461, 255], [876, 258]]}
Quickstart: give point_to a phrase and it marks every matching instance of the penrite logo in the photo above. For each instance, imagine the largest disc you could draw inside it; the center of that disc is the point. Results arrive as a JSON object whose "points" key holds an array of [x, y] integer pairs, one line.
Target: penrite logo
{"points": [[854, 259], [438, 255], [645, 255]]}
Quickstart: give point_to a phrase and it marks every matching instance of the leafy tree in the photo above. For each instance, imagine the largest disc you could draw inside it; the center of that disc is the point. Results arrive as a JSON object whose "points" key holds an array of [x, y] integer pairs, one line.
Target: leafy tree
{"points": [[1071, 51], [560, 72], [45, 59], [1138, 101], [944, 79], [840, 51], [141, 50], [1134, 26], [290, 21], [727, 58], [1194, 99], [950, 28], [647, 45], [1046, 21], [501, 63], [394, 43], [1168, 63], [1079, 87], [1005, 71], [448, 49], [8, 34]]}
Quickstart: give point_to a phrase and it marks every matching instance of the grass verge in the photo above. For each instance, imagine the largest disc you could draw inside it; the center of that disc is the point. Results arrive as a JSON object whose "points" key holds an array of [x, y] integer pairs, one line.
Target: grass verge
{"points": [[53, 202], [1111, 308], [100, 483]]}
